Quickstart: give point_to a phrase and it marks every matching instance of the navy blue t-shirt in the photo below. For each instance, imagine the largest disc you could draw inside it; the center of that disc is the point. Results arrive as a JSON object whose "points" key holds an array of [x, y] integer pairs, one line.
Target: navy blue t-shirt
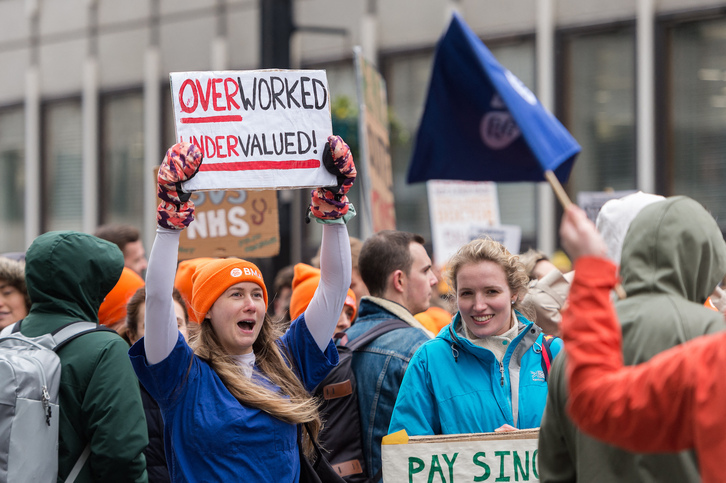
{"points": [[208, 434]]}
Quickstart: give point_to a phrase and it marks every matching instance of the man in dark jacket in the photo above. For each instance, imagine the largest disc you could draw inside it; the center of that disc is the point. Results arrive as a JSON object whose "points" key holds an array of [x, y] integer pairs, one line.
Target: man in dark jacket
{"points": [[396, 269], [68, 274], [672, 258]]}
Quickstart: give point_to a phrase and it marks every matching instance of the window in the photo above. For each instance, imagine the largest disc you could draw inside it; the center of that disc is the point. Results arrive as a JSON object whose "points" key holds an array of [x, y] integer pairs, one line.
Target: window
{"points": [[62, 166], [12, 181], [599, 108], [122, 159], [696, 117]]}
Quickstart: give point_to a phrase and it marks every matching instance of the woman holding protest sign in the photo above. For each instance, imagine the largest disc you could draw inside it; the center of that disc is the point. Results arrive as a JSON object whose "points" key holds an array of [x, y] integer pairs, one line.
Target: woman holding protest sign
{"points": [[487, 370], [235, 397]]}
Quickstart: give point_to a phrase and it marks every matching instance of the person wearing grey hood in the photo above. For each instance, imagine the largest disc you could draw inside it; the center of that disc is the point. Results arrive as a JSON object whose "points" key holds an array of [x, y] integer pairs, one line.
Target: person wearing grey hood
{"points": [[673, 255]]}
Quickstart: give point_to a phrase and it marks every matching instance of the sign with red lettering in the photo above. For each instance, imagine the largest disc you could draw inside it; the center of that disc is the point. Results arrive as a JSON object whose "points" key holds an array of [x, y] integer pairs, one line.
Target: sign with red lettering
{"points": [[256, 129]]}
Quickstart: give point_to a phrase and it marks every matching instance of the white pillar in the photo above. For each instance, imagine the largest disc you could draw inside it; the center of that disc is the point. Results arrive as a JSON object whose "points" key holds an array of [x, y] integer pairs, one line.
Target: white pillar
{"points": [[546, 223], [219, 53], [90, 136], [645, 112], [152, 139], [32, 154]]}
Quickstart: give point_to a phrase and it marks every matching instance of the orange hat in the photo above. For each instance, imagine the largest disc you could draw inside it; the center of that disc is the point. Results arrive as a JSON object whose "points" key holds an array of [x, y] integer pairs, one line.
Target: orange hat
{"points": [[434, 318], [183, 281], [211, 279], [304, 284], [113, 307]]}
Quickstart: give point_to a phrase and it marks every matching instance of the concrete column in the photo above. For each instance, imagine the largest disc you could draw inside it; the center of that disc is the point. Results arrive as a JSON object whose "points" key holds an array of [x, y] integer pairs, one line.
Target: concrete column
{"points": [[32, 154], [90, 136], [545, 35], [152, 139], [645, 112]]}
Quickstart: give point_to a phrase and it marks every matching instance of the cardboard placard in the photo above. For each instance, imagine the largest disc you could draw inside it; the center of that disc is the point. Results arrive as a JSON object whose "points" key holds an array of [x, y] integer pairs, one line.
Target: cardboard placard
{"points": [[375, 145], [240, 224], [484, 457], [257, 129]]}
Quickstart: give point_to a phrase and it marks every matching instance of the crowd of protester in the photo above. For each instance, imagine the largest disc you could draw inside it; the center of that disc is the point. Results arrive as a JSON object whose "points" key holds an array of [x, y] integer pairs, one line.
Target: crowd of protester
{"points": [[212, 377]]}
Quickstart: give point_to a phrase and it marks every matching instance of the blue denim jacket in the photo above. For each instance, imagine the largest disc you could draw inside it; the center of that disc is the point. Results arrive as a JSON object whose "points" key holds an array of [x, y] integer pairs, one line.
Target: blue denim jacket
{"points": [[379, 369]]}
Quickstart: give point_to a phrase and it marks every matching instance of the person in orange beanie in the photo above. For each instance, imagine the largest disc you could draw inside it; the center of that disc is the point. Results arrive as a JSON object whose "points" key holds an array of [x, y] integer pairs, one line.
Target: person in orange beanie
{"points": [[112, 312], [183, 282], [239, 389], [304, 284]]}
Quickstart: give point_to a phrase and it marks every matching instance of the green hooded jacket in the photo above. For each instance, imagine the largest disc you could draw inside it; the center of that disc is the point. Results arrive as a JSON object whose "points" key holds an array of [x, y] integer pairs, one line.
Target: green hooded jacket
{"points": [[673, 257], [68, 274]]}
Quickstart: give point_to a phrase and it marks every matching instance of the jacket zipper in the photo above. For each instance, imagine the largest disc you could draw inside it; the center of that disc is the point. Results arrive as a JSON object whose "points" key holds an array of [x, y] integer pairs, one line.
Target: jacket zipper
{"points": [[501, 370]]}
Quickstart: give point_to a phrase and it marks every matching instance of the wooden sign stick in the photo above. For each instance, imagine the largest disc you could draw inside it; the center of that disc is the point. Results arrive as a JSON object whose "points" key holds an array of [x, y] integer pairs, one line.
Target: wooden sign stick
{"points": [[557, 187]]}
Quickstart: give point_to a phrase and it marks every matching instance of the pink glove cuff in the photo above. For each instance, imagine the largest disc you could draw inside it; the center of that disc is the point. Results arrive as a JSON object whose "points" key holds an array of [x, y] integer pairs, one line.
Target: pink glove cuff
{"points": [[175, 216], [326, 205]]}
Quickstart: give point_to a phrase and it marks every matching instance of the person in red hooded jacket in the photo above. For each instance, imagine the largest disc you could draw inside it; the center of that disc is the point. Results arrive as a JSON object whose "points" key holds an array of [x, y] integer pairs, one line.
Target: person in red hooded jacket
{"points": [[670, 403]]}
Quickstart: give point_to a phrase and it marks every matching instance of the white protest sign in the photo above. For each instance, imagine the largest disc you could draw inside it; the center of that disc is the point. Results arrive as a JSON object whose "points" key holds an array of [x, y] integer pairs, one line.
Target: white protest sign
{"points": [[458, 210], [592, 201], [485, 457], [256, 129], [508, 235]]}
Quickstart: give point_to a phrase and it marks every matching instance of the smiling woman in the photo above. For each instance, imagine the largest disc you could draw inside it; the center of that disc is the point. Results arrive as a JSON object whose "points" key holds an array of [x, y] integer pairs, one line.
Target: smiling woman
{"points": [[484, 371], [237, 393], [14, 300]]}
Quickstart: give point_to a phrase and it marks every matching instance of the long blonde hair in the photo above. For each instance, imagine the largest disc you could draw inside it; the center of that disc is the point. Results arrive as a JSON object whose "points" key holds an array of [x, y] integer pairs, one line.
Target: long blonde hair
{"points": [[293, 404], [486, 249]]}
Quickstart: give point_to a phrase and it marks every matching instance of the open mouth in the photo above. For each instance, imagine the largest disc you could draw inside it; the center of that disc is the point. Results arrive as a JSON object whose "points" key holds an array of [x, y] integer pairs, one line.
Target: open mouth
{"points": [[246, 325]]}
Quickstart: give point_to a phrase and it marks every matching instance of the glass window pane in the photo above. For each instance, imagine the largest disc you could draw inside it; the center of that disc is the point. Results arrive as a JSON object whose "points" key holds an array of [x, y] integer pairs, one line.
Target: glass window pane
{"points": [[698, 114], [600, 105], [12, 181], [407, 82], [62, 163], [123, 159]]}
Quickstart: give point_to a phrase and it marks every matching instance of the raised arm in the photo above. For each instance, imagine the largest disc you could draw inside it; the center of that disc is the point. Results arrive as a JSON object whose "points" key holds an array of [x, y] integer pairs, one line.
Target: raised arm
{"points": [[331, 207], [174, 214]]}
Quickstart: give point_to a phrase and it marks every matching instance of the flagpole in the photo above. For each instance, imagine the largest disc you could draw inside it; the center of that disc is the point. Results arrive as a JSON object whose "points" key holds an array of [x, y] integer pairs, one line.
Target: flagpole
{"points": [[558, 189]]}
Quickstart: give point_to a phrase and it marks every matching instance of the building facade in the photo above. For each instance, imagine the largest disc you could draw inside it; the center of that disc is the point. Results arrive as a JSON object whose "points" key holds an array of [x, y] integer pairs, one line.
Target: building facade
{"points": [[85, 110]]}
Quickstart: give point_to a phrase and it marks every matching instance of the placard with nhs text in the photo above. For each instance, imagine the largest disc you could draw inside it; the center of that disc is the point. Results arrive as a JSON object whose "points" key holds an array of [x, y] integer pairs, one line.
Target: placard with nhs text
{"points": [[259, 129]]}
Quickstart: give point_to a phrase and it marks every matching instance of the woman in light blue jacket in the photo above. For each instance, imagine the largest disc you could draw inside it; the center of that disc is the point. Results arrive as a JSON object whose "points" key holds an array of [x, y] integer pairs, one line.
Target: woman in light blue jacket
{"points": [[486, 370]]}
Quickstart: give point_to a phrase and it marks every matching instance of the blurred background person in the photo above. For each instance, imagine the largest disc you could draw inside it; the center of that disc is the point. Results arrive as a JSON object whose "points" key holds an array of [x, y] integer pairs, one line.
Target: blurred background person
{"points": [[132, 331], [14, 299], [128, 239]]}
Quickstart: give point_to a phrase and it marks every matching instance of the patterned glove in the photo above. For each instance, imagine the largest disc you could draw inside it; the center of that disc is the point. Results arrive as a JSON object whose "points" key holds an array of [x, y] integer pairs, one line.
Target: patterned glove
{"points": [[329, 204], [181, 163]]}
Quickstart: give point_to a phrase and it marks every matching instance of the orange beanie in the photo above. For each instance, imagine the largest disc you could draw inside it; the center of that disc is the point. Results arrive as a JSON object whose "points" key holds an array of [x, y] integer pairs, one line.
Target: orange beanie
{"points": [[183, 281], [113, 307], [434, 318], [304, 284], [211, 279]]}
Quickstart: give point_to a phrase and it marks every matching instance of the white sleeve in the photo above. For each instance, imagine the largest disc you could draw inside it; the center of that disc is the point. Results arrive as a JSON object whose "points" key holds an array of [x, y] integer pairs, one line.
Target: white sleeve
{"points": [[161, 331], [336, 267]]}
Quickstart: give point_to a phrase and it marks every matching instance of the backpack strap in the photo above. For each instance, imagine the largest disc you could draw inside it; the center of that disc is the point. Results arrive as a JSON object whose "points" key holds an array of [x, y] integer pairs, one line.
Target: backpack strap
{"points": [[547, 355], [377, 331], [68, 332], [76, 470]]}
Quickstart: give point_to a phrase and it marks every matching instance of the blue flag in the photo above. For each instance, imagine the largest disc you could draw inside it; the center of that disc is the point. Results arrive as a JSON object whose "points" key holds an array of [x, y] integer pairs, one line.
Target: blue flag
{"points": [[481, 123]]}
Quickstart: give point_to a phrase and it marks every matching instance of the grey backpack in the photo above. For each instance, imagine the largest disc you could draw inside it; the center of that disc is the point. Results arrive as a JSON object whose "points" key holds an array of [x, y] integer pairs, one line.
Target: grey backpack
{"points": [[30, 373]]}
